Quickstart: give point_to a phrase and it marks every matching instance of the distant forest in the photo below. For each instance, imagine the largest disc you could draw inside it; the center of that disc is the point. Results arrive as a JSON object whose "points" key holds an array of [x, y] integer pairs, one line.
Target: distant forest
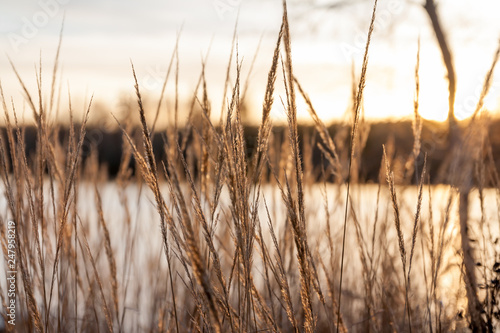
{"points": [[397, 136]]}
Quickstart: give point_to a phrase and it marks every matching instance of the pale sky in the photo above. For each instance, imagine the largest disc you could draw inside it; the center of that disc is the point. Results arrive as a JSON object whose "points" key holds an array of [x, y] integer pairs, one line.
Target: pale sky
{"points": [[102, 36]]}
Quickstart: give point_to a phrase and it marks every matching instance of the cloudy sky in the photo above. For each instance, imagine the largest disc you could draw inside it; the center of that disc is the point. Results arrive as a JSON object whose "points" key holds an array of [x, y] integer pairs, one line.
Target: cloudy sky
{"points": [[101, 37]]}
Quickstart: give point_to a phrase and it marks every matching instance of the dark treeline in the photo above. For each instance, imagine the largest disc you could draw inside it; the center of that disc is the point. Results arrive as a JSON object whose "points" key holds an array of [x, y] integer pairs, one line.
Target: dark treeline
{"points": [[397, 136]]}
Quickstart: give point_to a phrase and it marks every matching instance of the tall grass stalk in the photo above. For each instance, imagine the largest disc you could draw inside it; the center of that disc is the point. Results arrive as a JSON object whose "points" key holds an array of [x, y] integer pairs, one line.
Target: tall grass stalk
{"points": [[354, 131]]}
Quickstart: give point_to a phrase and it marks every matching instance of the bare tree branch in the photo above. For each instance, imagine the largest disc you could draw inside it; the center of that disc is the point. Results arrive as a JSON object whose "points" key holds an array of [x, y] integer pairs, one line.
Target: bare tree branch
{"points": [[430, 8]]}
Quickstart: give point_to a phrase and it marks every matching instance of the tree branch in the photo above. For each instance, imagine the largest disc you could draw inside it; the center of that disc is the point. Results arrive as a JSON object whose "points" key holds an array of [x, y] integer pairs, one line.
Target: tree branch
{"points": [[430, 8]]}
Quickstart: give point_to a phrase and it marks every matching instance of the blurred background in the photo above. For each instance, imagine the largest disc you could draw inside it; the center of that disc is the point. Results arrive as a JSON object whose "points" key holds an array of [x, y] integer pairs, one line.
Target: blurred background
{"points": [[100, 38]]}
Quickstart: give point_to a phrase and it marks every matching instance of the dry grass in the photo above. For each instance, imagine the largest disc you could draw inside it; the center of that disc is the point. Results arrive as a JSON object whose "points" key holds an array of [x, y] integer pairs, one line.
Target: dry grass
{"points": [[215, 239]]}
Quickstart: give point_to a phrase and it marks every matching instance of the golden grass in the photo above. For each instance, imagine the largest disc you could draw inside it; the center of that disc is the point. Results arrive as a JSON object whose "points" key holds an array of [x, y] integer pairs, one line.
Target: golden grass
{"points": [[243, 246]]}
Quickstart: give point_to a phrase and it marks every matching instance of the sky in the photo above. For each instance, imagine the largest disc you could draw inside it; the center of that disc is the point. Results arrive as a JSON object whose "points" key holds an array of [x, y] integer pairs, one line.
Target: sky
{"points": [[102, 37]]}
